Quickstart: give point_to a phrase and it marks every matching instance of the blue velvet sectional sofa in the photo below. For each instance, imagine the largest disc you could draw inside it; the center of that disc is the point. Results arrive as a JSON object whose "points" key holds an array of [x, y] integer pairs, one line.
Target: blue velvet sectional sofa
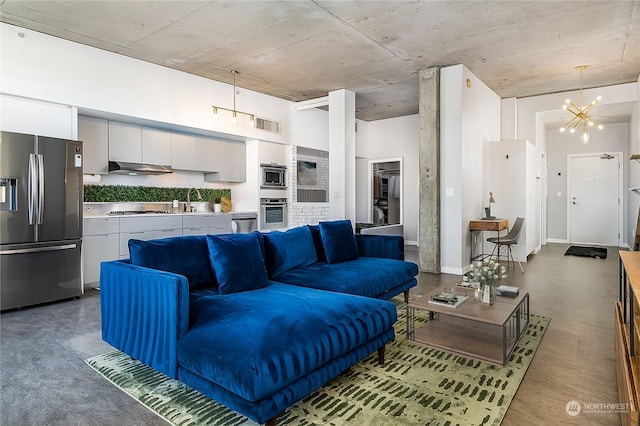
{"points": [[255, 321]]}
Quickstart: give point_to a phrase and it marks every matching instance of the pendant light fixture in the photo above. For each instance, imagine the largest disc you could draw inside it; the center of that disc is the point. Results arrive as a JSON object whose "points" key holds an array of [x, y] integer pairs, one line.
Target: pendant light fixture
{"points": [[581, 115], [234, 112]]}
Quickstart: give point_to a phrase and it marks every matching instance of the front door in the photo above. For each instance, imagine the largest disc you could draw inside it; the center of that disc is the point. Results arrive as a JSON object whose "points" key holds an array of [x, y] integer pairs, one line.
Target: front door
{"points": [[593, 194]]}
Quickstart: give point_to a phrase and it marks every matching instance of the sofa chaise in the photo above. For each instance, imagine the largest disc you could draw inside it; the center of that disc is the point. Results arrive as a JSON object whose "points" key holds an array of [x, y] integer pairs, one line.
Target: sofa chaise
{"points": [[212, 312]]}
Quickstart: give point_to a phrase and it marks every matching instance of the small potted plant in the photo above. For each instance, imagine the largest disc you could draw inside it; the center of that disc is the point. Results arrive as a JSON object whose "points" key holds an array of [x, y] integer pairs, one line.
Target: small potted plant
{"points": [[216, 205]]}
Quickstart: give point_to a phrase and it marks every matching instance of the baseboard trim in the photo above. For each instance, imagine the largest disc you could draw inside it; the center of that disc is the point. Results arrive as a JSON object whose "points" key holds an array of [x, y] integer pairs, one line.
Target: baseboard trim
{"points": [[452, 271], [557, 240]]}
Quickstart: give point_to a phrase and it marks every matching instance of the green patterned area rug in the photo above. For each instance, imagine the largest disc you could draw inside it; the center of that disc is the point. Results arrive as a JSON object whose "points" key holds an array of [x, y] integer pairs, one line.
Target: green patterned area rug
{"points": [[417, 385]]}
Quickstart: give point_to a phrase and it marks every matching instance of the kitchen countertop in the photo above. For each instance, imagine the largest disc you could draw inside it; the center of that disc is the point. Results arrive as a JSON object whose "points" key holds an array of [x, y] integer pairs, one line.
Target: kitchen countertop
{"points": [[102, 216], [101, 210]]}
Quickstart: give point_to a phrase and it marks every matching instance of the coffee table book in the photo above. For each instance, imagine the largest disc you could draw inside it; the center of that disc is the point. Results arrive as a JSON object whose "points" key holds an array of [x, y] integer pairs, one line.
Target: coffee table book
{"points": [[454, 303], [507, 291]]}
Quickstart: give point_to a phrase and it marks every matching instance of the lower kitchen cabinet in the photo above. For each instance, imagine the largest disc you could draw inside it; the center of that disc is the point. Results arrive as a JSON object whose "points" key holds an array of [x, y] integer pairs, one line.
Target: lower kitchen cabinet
{"points": [[97, 249], [107, 239], [147, 228], [206, 224], [100, 243]]}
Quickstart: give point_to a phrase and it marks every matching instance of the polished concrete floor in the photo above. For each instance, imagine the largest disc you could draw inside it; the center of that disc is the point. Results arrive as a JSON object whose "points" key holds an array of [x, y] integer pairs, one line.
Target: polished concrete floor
{"points": [[44, 380]]}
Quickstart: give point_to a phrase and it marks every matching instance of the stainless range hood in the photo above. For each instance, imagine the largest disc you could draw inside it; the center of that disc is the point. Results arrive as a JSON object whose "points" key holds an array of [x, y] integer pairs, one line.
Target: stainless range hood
{"points": [[122, 167]]}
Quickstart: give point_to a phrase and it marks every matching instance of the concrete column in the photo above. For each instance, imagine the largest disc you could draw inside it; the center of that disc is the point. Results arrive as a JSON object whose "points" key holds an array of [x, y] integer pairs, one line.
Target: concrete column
{"points": [[342, 155], [429, 203]]}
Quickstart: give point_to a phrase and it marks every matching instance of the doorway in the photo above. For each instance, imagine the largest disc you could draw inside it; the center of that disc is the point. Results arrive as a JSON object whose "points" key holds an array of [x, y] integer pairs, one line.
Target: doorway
{"points": [[385, 191], [594, 186]]}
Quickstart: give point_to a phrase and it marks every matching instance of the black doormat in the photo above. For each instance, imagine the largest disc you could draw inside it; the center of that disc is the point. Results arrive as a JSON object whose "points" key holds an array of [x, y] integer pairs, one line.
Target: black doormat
{"points": [[597, 252]]}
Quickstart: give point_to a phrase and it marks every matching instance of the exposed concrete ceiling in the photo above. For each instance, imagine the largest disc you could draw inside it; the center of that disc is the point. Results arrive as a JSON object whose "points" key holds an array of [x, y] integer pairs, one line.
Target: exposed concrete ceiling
{"points": [[299, 50]]}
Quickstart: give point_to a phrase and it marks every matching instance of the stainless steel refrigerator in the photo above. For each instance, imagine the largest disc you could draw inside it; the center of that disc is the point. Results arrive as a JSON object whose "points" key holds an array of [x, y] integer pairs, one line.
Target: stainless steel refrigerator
{"points": [[41, 197]]}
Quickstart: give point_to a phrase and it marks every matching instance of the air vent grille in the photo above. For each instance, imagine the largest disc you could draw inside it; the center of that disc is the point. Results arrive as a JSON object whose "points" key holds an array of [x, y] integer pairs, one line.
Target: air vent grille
{"points": [[312, 196], [267, 125]]}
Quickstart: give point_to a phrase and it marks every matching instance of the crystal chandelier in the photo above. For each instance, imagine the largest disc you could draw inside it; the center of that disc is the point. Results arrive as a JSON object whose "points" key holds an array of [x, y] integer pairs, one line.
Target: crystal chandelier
{"points": [[234, 112], [581, 115]]}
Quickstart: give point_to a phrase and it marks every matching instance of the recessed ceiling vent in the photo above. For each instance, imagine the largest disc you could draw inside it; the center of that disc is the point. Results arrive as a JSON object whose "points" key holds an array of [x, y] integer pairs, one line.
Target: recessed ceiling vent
{"points": [[267, 125]]}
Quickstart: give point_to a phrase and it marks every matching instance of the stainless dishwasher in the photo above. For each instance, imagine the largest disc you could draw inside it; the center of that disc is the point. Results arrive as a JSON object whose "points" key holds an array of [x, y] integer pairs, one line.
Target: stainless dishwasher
{"points": [[244, 222]]}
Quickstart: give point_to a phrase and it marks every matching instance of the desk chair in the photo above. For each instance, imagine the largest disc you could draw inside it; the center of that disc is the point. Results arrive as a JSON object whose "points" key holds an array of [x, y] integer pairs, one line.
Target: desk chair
{"points": [[508, 240]]}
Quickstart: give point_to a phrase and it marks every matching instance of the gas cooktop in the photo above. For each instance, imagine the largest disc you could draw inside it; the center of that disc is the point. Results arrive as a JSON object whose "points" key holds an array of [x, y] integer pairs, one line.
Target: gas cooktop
{"points": [[128, 212]]}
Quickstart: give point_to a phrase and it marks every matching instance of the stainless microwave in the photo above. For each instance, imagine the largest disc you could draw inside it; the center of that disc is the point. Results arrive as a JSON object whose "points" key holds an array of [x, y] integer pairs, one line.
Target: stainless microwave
{"points": [[273, 176]]}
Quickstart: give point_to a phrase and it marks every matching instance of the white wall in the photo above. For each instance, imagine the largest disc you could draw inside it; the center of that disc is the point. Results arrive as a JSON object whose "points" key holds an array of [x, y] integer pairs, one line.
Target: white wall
{"points": [[612, 138], [310, 129], [513, 184], [469, 121]]}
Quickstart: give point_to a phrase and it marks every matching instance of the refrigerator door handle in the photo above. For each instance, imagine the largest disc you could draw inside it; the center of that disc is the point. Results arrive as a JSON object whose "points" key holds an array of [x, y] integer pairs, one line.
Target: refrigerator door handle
{"points": [[37, 249], [32, 187], [40, 188]]}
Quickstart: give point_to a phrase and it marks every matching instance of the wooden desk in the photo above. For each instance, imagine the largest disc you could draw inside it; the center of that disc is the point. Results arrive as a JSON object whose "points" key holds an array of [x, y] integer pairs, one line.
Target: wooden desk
{"points": [[489, 225], [482, 225]]}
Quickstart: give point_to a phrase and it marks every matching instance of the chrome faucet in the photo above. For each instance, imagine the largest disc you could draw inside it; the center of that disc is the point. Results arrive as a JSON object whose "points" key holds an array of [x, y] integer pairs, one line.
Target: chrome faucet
{"points": [[189, 198]]}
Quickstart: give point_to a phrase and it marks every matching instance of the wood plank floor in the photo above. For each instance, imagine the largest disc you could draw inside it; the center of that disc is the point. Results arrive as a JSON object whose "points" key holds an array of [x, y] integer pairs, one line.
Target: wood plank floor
{"points": [[575, 361]]}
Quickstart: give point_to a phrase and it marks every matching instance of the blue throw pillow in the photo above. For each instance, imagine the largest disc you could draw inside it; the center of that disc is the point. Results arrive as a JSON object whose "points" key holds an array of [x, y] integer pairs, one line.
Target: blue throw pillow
{"points": [[288, 250], [237, 261], [187, 256], [339, 241], [317, 242]]}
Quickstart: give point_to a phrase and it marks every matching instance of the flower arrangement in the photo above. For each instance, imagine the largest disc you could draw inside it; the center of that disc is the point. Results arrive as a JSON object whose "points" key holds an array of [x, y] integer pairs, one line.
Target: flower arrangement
{"points": [[488, 272]]}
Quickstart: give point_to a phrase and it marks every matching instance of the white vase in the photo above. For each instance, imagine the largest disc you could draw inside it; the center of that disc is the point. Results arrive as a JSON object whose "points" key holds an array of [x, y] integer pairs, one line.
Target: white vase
{"points": [[217, 208]]}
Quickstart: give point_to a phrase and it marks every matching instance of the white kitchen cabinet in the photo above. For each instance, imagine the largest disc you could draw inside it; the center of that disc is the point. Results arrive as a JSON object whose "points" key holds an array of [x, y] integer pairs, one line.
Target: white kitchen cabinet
{"points": [[156, 146], [208, 154], [206, 224], [233, 163], [196, 153], [100, 244], [125, 142], [273, 153], [183, 151], [94, 134]]}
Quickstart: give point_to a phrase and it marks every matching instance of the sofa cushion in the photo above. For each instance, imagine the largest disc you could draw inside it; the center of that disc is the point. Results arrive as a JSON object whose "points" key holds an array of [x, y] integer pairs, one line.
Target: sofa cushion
{"points": [[317, 242], [288, 250], [237, 261], [365, 276], [339, 241], [291, 331], [187, 256]]}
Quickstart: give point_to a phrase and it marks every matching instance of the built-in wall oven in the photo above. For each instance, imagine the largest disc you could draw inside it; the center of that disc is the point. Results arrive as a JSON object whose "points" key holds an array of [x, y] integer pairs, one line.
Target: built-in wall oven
{"points": [[273, 213], [273, 176]]}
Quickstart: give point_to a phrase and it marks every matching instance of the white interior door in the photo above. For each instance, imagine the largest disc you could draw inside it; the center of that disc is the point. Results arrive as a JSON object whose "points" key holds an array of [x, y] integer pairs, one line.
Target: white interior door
{"points": [[593, 193]]}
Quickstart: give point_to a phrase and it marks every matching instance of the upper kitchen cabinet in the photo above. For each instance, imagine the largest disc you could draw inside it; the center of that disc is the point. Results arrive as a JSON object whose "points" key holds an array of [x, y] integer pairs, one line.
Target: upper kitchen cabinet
{"points": [[183, 151], [136, 144], [273, 153], [125, 142], [94, 134], [196, 153], [208, 154], [156, 147], [232, 163]]}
